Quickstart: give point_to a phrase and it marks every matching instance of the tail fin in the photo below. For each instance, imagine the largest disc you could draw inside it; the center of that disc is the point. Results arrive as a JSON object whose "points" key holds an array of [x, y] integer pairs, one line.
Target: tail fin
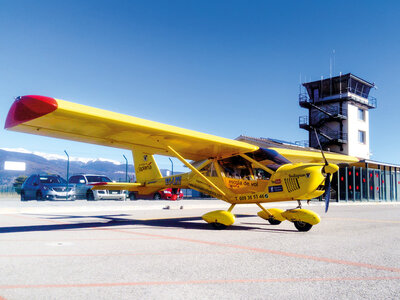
{"points": [[145, 166]]}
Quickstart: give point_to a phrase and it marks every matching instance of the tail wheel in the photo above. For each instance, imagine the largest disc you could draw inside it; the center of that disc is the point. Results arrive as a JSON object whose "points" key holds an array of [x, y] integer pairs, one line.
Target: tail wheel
{"points": [[39, 196], [273, 221], [89, 195], [302, 226], [157, 196]]}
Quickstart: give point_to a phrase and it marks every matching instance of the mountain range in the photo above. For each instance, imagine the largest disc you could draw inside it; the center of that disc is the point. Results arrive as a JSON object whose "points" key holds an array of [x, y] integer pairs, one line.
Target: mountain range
{"points": [[52, 164]]}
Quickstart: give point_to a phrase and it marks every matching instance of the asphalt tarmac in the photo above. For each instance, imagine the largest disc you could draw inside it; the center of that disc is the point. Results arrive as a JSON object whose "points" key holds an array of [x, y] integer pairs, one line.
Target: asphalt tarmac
{"points": [[160, 249]]}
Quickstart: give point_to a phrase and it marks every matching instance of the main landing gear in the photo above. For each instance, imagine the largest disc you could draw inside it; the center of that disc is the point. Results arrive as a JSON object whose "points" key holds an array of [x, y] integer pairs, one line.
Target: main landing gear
{"points": [[303, 219]]}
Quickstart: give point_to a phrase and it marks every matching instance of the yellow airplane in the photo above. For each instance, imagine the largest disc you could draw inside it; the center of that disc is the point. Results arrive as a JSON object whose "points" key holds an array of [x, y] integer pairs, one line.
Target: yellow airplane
{"points": [[230, 170]]}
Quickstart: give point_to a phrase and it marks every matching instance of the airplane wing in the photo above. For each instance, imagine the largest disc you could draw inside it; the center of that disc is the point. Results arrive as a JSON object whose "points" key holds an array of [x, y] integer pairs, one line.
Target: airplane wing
{"points": [[62, 119], [307, 156]]}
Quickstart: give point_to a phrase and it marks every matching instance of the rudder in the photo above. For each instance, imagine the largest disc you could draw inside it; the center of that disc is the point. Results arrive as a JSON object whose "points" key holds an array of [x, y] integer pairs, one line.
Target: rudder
{"points": [[145, 166]]}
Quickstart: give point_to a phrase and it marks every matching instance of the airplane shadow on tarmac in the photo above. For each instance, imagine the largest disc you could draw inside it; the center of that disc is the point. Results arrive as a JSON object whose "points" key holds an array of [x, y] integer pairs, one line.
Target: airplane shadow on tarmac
{"points": [[109, 221]]}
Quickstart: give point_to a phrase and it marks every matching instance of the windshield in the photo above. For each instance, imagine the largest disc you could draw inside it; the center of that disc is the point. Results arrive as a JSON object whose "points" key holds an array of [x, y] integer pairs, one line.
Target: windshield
{"points": [[98, 179], [52, 179], [269, 158]]}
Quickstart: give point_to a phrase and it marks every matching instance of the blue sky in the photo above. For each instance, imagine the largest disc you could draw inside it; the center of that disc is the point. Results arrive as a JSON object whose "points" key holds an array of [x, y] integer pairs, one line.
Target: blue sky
{"points": [[221, 67]]}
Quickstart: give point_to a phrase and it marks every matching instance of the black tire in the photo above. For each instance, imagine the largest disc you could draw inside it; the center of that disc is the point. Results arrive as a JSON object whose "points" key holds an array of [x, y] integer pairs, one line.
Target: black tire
{"points": [[39, 196], [89, 195], [218, 226], [273, 221], [302, 226], [157, 196], [23, 198], [132, 196]]}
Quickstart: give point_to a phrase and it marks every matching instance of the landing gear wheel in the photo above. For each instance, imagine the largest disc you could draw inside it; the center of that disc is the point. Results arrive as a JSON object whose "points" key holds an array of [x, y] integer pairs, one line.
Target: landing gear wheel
{"points": [[157, 196], [218, 226], [132, 196], [302, 226], [90, 195], [23, 196], [39, 196], [273, 221]]}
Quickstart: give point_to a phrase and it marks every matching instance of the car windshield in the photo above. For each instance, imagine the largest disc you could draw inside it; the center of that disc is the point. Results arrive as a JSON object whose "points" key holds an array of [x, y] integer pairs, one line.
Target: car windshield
{"points": [[98, 179], [52, 179]]}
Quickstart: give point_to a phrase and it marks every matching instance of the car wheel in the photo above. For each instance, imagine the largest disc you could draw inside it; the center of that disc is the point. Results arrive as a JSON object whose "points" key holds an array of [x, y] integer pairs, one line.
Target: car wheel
{"points": [[23, 198], [157, 196], [39, 196], [89, 195], [132, 196]]}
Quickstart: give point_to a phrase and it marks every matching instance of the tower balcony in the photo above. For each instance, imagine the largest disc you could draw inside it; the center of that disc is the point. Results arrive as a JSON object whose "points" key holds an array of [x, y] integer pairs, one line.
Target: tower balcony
{"points": [[304, 100], [348, 94]]}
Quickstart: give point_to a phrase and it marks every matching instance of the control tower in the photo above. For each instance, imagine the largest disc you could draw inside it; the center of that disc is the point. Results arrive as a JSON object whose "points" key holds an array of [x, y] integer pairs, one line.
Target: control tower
{"points": [[338, 109]]}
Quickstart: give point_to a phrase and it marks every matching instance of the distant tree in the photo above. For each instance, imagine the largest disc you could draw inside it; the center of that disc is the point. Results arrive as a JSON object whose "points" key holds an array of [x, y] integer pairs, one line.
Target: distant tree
{"points": [[18, 183]]}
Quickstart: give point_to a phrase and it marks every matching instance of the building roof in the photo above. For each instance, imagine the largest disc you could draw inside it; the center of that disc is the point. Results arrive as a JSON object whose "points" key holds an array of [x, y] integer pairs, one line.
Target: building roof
{"points": [[273, 143], [340, 77]]}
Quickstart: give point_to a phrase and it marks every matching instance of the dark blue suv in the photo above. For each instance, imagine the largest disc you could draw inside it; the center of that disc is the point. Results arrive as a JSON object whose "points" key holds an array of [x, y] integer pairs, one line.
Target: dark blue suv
{"points": [[46, 187]]}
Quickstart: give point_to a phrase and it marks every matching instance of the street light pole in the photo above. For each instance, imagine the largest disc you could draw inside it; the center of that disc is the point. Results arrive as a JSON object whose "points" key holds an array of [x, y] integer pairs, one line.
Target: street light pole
{"points": [[126, 168], [172, 165], [66, 192]]}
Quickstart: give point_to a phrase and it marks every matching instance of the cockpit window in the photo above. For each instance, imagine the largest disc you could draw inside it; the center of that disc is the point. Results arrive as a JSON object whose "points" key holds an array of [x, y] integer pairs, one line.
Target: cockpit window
{"points": [[236, 167], [269, 158]]}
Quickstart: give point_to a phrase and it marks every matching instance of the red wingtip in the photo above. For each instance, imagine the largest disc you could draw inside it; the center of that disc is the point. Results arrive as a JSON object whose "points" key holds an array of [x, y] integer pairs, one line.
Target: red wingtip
{"points": [[26, 108]]}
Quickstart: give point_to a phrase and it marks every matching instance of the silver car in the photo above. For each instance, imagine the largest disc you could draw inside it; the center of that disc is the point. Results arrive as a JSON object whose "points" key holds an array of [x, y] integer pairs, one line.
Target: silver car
{"points": [[83, 188], [46, 187]]}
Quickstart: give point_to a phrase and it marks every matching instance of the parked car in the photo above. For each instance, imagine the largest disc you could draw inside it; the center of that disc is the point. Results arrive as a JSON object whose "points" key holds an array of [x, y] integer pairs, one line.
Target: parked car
{"points": [[46, 187], [165, 194], [83, 188]]}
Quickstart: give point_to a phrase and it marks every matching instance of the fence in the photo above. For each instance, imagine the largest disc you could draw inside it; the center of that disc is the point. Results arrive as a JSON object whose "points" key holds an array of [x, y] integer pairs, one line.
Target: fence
{"points": [[6, 191]]}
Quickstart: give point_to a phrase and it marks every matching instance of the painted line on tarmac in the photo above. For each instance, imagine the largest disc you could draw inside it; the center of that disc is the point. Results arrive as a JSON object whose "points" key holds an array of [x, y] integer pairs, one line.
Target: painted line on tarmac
{"points": [[364, 220], [269, 251], [207, 281], [120, 254], [78, 240]]}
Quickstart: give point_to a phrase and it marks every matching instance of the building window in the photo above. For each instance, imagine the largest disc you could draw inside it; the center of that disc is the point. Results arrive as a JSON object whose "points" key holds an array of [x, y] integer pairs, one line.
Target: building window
{"points": [[361, 137], [361, 114]]}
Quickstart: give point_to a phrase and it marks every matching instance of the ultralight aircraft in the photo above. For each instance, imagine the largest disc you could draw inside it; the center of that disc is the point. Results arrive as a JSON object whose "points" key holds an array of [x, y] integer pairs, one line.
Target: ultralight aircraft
{"points": [[230, 170]]}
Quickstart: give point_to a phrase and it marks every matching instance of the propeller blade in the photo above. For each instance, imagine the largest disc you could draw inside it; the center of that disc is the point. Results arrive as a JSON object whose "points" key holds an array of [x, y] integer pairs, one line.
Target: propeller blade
{"points": [[327, 191], [320, 147]]}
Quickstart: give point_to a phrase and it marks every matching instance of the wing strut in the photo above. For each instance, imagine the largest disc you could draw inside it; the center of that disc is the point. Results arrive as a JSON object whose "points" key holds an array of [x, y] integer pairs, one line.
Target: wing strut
{"points": [[178, 156], [261, 166]]}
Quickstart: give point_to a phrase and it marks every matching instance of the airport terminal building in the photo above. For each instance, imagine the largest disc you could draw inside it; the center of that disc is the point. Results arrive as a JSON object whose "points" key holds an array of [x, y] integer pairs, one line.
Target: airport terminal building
{"points": [[338, 112]]}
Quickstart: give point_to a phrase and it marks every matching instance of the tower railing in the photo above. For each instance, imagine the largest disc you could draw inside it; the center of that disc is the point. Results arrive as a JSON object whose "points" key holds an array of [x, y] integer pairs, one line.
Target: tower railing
{"points": [[346, 93]]}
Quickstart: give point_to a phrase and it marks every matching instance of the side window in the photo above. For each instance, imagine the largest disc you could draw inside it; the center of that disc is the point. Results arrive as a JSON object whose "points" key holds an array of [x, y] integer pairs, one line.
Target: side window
{"points": [[73, 179], [81, 179], [361, 114], [209, 170], [29, 181], [261, 174], [36, 180], [361, 137]]}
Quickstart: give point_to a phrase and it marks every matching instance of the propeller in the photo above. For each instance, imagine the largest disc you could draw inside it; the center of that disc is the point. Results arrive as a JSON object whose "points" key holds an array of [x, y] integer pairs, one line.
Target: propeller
{"points": [[328, 176]]}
